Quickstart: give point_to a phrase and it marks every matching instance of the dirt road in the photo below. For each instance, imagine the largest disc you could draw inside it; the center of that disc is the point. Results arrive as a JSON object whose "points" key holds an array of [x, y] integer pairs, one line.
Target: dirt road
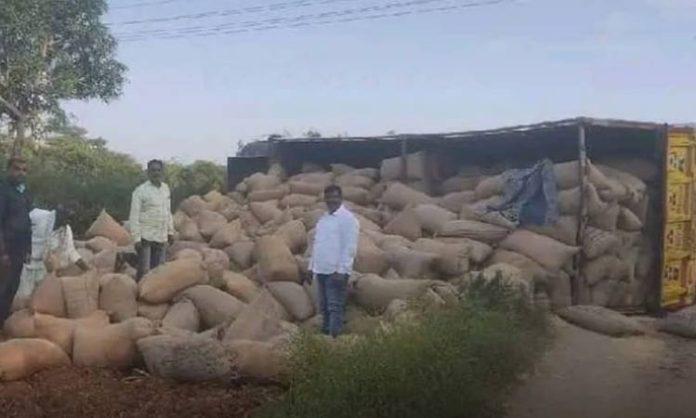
{"points": [[587, 375]]}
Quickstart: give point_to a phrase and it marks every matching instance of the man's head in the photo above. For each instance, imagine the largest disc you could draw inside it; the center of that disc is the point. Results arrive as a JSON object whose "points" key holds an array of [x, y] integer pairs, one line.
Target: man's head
{"points": [[333, 197], [155, 171], [17, 171], [64, 213]]}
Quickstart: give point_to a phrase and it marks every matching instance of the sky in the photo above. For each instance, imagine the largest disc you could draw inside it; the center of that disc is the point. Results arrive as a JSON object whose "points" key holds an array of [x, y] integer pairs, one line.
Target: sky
{"points": [[495, 65]]}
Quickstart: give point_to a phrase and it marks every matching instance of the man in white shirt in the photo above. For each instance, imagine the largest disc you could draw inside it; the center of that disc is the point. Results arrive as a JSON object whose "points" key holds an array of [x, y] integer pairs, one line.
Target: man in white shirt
{"points": [[151, 221], [333, 253]]}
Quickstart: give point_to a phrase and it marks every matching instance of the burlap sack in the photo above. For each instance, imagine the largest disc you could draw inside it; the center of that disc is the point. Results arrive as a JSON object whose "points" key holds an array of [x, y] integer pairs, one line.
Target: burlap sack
{"points": [[189, 231], [179, 218], [560, 290], [398, 196], [478, 251], [605, 267], [374, 215], [179, 246], [183, 315], [311, 218], [490, 186], [405, 224], [20, 325], [216, 262], [209, 223], [214, 306], [305, 188], [239, 286], [453, 202], [322, 179], [452, 259], [608, 219], [432, 217], [483, 211], [265, 211], [416, 167], [190, 254], [275, 260], [98, 244], [48, 297], [118, 297], [259, 181], [527, 266], [257, 359], [260, 321], [568, 175], [569, 201], [60, 331], [276, 193], [512, 277], [565, 229], [81, 294], [193, 205], [598, 242], [375, 293], [104, 262], [369, 257], [241, 253], [106, 226], [601, 320], [546, 251], [356, 195], [294, 234], [21, 358], [297, 200], [227, 235], [112, 346], [628, 221], [152, 312], [478, 231], [294, 299], [459, 184], [164, 282], [353, 180]]}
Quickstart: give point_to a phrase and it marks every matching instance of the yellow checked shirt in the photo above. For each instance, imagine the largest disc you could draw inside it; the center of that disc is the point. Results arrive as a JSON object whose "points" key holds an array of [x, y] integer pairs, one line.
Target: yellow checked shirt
{"points": [[151, 213]]}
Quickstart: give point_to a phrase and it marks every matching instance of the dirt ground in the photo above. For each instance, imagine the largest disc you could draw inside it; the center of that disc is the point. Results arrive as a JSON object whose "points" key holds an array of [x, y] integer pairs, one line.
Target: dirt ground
{"points": [[71, 392], [587, 375]]}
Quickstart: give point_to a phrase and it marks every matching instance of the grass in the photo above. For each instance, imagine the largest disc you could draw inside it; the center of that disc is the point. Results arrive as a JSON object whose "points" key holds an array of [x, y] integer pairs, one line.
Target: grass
{"points": [[458, 361]]}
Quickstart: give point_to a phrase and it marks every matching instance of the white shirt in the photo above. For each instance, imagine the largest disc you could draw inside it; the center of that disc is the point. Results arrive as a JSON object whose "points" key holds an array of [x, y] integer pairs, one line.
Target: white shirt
{"points": [[151, 213], [61, 247], [335, 243]]}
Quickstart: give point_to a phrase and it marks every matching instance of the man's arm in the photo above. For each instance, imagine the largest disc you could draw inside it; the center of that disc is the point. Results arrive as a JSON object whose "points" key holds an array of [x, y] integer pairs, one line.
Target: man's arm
{"points": [[134, 218], [170, 219], [73, 255], [350, 231]]}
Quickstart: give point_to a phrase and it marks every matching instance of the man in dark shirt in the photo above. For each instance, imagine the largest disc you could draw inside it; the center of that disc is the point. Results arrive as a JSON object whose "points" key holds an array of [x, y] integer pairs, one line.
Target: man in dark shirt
{"points": [[15, 232]]}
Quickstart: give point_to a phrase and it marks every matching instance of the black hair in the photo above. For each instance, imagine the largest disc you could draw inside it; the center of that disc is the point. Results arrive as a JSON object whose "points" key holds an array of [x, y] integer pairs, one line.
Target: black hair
{"points": [[333, 189], [153, 162]]}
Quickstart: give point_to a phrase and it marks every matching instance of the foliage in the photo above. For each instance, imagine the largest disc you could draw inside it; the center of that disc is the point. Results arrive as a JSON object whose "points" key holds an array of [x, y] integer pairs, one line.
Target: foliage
{"points": [[198, 178], [52, 51], [459, 361]]}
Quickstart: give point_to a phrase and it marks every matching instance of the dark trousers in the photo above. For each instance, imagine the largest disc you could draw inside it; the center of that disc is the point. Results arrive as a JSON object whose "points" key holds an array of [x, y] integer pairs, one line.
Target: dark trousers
{"points": [[9, 283], [332, 300], [150, 255]]}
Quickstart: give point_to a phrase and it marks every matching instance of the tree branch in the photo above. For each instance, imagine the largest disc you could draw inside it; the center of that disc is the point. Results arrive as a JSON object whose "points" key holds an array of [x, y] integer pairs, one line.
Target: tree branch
{"points": [[9, 106]]}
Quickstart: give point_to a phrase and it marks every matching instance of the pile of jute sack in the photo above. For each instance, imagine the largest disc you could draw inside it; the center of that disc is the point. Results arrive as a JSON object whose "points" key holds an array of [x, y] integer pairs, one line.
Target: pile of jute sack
{"points": [[231, 295]]}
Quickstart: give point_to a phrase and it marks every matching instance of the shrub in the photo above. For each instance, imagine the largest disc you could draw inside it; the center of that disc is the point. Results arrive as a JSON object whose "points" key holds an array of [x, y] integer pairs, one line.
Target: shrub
{"points": [[459, 361]]}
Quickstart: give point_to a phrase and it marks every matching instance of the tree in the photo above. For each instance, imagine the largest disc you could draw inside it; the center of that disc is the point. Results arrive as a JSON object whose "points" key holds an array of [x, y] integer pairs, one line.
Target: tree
{"points": [[52, 51], [312, 133]]}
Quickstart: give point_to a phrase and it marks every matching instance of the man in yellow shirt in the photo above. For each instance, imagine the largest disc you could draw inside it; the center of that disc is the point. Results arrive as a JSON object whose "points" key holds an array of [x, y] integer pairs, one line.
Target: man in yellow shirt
{"points": [[151, 221]]}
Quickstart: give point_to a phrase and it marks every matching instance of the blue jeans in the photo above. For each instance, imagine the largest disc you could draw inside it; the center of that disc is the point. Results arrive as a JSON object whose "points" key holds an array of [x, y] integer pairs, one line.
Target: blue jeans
{"points": [[332, 301]]}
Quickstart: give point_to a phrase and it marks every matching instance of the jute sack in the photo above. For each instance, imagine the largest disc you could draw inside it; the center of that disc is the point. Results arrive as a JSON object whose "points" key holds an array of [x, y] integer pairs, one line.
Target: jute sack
{"points": [[20, 325], [164, 282], [398, 196], [353, 180], [432, 217], [227, 235], [608, 219], [241, 253], [294, 234], [193, 205], [322, 179], [478, 231], [257, 359], [453, 202], [118, 297], [209, 223], [565, 229], [482, 211], [569, 201], [529, 267], [405, 224], [189, 231], [262, 320], [60, 331], [374, 215], [187, 359], [152, 312], [510, 276], [297, 200], [560, 292], [635, 187], [81, 294], [48, 297], [681, 323], [106, 226], [216, 262], [414, 264], [369, 257], [390, 168], [214, 306], [459, 184], [305, 188], [605, 267], [339, 169], [178, 246], [98, 244], [265, 211], [259, 181], [275, 260], [183, 315], [452, 260], [599, 242], [104, 262], [546, 251], [179, 218], [490, 186], [311, 218], [478, 251], [294, 299], [276, 193], [568, 175], [239, 286], [20, 358], [601, 320], [357, 195], [628, 221], [366, 224], [112, 346], [375, 293]]}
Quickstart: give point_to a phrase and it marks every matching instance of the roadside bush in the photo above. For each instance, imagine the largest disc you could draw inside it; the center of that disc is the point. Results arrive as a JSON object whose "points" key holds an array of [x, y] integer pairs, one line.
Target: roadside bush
{"points": [[460, 361]]}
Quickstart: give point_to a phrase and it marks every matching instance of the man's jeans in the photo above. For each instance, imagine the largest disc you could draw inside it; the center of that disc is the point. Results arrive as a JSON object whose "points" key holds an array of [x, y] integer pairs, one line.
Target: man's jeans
{"points": [[332, 301], [151, 255]]}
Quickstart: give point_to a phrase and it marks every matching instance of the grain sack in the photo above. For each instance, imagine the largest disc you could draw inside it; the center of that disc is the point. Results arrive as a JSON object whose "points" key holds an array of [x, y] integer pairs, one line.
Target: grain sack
{"points": [[257, 359], [375, 293], [560, 292], [366, 224], [599, 242], [186, 359], [152, 312], [353, 180], [453, 202], [105, 226], [241, 253], [546, 251], [565, 229], [628, 221], [227, 235], [209, 223], [511, 277], [568, 175], [483, 211], [265, 211], [459, 184], [189, 231], [635, 187], [310, 168], [452, 260], [21, 358], [340, 169], [190, 254], [20, 325], [305, 188], [98, 244], [118, 296], [398, 196], [161, 284], [569, 201], [276, 262], [432, 217], [193, 205], [112, 346], [216, 263], [368, 172], [356, 195], [183, 315], [48, 297], [405, 224], [527, 266], [311, 218], [415, 167], [681, 323], [399, 311], [262, 320], [478, 251], [374, 215], [608, 219], [179, 218], [276, 193], [490, 186], [240, 286], [294, 299], [259, 181], [478, 231], [81, 294], [178, 246], [294, 234], [601, 320], [60, 331], [214, 306], [370, 258], [605, 267], [297, 200], [104, 262], [322, 179]]}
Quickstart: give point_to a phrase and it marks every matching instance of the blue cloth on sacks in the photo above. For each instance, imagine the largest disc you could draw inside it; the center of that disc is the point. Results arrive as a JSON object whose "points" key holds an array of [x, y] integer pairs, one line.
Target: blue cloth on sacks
{"points": [[530, 195]]}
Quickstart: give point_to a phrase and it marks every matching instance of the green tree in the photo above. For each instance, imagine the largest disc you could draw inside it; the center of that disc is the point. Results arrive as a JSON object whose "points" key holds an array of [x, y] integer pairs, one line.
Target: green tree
{"points": [[52, 51]]}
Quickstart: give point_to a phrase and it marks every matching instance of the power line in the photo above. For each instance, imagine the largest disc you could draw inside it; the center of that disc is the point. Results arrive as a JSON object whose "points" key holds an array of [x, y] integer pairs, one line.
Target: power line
{"points": [[260, 26]]}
